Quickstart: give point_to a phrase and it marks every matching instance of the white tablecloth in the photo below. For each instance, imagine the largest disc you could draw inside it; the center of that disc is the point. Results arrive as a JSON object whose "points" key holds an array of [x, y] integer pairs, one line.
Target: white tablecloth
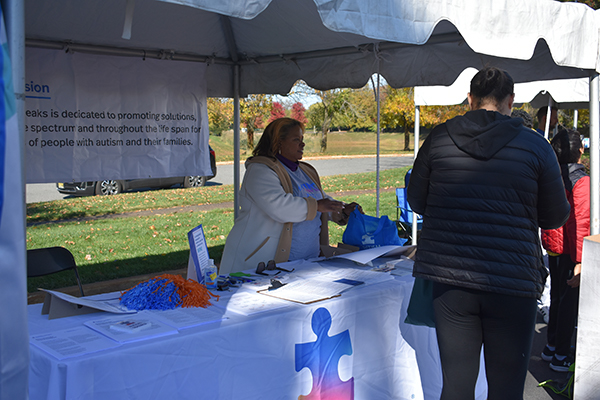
{"points": [[253, 357]]}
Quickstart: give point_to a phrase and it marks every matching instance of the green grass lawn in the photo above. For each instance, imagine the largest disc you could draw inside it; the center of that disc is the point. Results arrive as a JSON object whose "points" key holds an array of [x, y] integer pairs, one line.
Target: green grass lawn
{"points": [[120, 247], [338, 143]]}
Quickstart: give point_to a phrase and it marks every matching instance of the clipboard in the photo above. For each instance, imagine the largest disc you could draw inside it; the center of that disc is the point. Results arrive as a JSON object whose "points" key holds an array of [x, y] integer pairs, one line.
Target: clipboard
{"points": [[272, 293]]}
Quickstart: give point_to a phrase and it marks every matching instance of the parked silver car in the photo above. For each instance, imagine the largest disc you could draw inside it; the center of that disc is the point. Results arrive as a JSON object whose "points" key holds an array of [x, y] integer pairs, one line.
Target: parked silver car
{"points": [[110, 187]]}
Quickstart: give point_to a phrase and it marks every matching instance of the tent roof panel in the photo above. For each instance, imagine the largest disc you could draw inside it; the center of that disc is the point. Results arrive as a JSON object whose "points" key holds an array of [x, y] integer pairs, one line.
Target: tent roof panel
{"points": [[333, 43]]}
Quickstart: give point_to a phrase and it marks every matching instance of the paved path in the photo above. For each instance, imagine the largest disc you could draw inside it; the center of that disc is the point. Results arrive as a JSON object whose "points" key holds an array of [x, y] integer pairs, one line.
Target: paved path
{"points": [[187, 209], [329, 165]]}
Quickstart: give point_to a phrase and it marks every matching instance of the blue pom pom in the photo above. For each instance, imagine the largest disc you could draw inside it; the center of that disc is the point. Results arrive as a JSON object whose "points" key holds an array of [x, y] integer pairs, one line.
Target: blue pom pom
{"points": [[154, 294]]}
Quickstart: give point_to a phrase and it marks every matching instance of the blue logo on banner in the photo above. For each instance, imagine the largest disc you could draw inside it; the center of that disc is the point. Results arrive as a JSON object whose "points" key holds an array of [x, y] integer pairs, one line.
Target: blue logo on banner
{"points": [[37, 91]]}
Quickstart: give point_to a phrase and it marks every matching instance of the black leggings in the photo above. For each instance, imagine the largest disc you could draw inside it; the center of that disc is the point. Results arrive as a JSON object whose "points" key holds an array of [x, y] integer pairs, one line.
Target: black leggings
{"points": [[564, 302], [465, 319]]}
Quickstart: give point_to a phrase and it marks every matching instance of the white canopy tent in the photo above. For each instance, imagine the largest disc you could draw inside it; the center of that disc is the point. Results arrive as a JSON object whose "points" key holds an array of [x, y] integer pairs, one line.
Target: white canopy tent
{"points": [[265, 46], [562, 93]]}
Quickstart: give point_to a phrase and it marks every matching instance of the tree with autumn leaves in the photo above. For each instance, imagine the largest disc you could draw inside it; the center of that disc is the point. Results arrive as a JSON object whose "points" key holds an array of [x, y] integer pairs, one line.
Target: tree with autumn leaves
{"points": [[345, 109], [299, 113], [253, 110], [220, 115], [256, 111], [398, 110]]}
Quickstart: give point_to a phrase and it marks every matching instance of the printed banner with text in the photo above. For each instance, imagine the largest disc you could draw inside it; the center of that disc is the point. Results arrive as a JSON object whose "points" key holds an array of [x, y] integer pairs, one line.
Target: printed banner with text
{"points": [[91, 117]]}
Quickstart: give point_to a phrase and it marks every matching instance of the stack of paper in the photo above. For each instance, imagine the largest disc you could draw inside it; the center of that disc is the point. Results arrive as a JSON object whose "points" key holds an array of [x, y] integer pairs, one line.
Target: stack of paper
{"points": [[145, 327], [248, 303], [72, 342], [182, 318]]}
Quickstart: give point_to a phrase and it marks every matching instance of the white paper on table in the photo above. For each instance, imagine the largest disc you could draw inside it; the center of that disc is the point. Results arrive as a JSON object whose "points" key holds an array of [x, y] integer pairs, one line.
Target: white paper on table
{"points": [[111, 305], [72, 342], [182, 318], [311, 270], [367, 276], [156, 329], [404, 263], [248, 303], [265, 283], [367, 255], [308, 290]]}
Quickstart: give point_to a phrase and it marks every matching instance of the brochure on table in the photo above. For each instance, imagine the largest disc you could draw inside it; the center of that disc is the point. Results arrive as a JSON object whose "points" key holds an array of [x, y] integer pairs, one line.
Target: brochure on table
{"points": [[309, 289], [131, 328], [249, 303], [72, 342], [182, 318], [366, 256], [198, 260], [319, 280], [59, 305]]}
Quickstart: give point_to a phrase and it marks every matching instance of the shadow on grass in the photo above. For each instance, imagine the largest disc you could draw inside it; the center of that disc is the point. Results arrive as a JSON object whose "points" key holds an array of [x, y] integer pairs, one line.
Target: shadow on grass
{"points": [[45, 212], [154, 264]]}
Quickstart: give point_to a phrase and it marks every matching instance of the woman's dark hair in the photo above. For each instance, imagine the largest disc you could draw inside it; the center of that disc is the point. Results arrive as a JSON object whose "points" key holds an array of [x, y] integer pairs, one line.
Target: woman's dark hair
{"points": [[524, 115], [274, 134], [491, 84], [567, 146], [543, 112]]}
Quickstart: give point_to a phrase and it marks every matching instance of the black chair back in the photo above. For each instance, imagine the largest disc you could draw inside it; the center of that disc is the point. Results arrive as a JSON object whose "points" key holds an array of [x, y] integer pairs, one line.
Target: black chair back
{"points": [[50, 260]]}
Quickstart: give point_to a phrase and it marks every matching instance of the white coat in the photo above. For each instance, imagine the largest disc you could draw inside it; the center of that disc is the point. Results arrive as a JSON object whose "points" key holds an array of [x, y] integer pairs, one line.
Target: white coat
{"points": [[268, 210]]}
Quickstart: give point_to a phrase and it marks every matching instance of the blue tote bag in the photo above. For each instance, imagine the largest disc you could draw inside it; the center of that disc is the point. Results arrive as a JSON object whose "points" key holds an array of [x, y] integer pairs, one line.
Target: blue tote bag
{"points": [[365, 231]]}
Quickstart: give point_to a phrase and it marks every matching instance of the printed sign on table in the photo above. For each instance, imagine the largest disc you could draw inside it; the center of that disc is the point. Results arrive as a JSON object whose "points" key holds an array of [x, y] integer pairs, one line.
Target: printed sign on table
{"points": [[198, 261]]}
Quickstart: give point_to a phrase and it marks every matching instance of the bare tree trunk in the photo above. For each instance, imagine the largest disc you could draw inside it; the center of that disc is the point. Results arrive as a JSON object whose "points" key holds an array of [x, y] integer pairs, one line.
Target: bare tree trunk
{"points": [[406, 138], [323, 141], [250, 133], [324, 131]]}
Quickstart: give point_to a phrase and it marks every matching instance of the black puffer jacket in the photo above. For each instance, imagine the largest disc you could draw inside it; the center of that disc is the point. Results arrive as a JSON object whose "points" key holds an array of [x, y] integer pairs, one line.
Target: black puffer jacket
{"points": [[484, 183]]}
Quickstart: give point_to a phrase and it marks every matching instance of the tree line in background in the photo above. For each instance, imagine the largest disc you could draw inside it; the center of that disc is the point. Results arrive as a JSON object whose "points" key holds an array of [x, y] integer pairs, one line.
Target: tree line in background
{"points": [[345, 110]]}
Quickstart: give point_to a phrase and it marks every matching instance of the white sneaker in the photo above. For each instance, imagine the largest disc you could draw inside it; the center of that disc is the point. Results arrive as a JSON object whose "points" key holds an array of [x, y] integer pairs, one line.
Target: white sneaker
{"points": [[545, 311]]}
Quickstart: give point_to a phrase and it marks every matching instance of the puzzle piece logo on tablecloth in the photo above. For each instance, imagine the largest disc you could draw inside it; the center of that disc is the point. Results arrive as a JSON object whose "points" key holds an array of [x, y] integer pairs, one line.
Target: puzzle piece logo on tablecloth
{"points": [[322, 357]]}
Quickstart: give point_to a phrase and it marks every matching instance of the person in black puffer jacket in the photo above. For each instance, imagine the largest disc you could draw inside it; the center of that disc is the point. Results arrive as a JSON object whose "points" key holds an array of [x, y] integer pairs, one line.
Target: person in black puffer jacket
{"points": [[484, 184]]}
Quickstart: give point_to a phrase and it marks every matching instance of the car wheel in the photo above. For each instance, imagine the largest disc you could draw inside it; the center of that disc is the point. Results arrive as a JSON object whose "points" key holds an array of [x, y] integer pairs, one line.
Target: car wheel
{"points": [[194, 181], [105, 188]]}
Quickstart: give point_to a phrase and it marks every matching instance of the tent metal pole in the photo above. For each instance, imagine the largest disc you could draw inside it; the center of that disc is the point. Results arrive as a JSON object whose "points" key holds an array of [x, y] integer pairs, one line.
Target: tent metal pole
{"points": [[575, 118], [548, 118], [236, 140], [125, 52], [416, 146], [14, 16], [594, 149], [378, 137], [13, 321]]}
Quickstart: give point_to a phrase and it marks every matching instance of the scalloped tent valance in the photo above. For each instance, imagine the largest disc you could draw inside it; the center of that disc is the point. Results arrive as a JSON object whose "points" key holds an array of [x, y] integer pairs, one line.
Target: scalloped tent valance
{"points": [[563, 93], [330, 43]]}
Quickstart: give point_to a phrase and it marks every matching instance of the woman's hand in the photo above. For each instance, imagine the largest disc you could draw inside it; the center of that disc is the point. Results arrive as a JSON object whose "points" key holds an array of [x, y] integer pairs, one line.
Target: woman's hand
{"points": [[349, 208], [341, 217], [326, 205], [574, 281]]}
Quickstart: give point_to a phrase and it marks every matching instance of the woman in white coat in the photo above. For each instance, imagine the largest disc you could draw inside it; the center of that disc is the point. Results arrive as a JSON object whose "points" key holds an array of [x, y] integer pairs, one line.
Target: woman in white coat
{"points": [[284, 211]]}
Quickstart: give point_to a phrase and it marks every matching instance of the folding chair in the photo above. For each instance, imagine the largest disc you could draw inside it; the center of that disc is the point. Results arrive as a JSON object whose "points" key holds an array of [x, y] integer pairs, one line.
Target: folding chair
{"points": [[404, 214], [49, 260]]}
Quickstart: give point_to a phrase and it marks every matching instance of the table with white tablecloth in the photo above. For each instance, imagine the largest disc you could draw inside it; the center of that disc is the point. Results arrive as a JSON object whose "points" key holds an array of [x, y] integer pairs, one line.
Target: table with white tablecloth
{"points": [[364, 348]]}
